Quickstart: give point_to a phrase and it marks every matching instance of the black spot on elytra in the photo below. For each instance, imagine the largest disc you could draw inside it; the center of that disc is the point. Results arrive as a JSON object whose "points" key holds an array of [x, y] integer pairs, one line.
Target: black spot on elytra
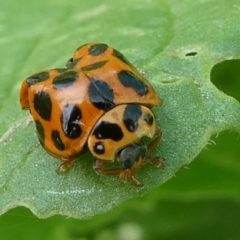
{"points": [[129, 79], [71, 63], [94, 66], [107, 130], [40, 132], [65, 80], [101, 94], [131, 116], [43, 105], [99, 148], [70, 120], [82, 46], [61, 70], [97, 49], [120, 56], [38, 77], [55, 136], [148, 118]]}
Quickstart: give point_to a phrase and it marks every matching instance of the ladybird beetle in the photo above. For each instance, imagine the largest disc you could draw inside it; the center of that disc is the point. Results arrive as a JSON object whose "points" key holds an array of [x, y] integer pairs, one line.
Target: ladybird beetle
{"points": [[98, 102]]}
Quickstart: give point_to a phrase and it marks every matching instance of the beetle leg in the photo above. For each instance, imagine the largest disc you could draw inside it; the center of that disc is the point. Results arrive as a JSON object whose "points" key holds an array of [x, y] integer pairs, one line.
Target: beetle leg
{"points": [[156, 140], [69, 162], [99, 168], [156, 161], [124, 174], [128, 174], [65, 165]]}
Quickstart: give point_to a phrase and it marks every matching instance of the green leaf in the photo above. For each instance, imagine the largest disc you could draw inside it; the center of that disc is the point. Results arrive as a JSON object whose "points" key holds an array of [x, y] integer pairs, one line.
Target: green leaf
{"points": [[176, 44], [201, 202]]}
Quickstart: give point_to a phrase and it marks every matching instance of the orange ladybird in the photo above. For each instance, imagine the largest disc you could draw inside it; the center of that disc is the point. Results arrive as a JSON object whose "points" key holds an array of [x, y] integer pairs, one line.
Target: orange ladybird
{"points": [[100, 103]]}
